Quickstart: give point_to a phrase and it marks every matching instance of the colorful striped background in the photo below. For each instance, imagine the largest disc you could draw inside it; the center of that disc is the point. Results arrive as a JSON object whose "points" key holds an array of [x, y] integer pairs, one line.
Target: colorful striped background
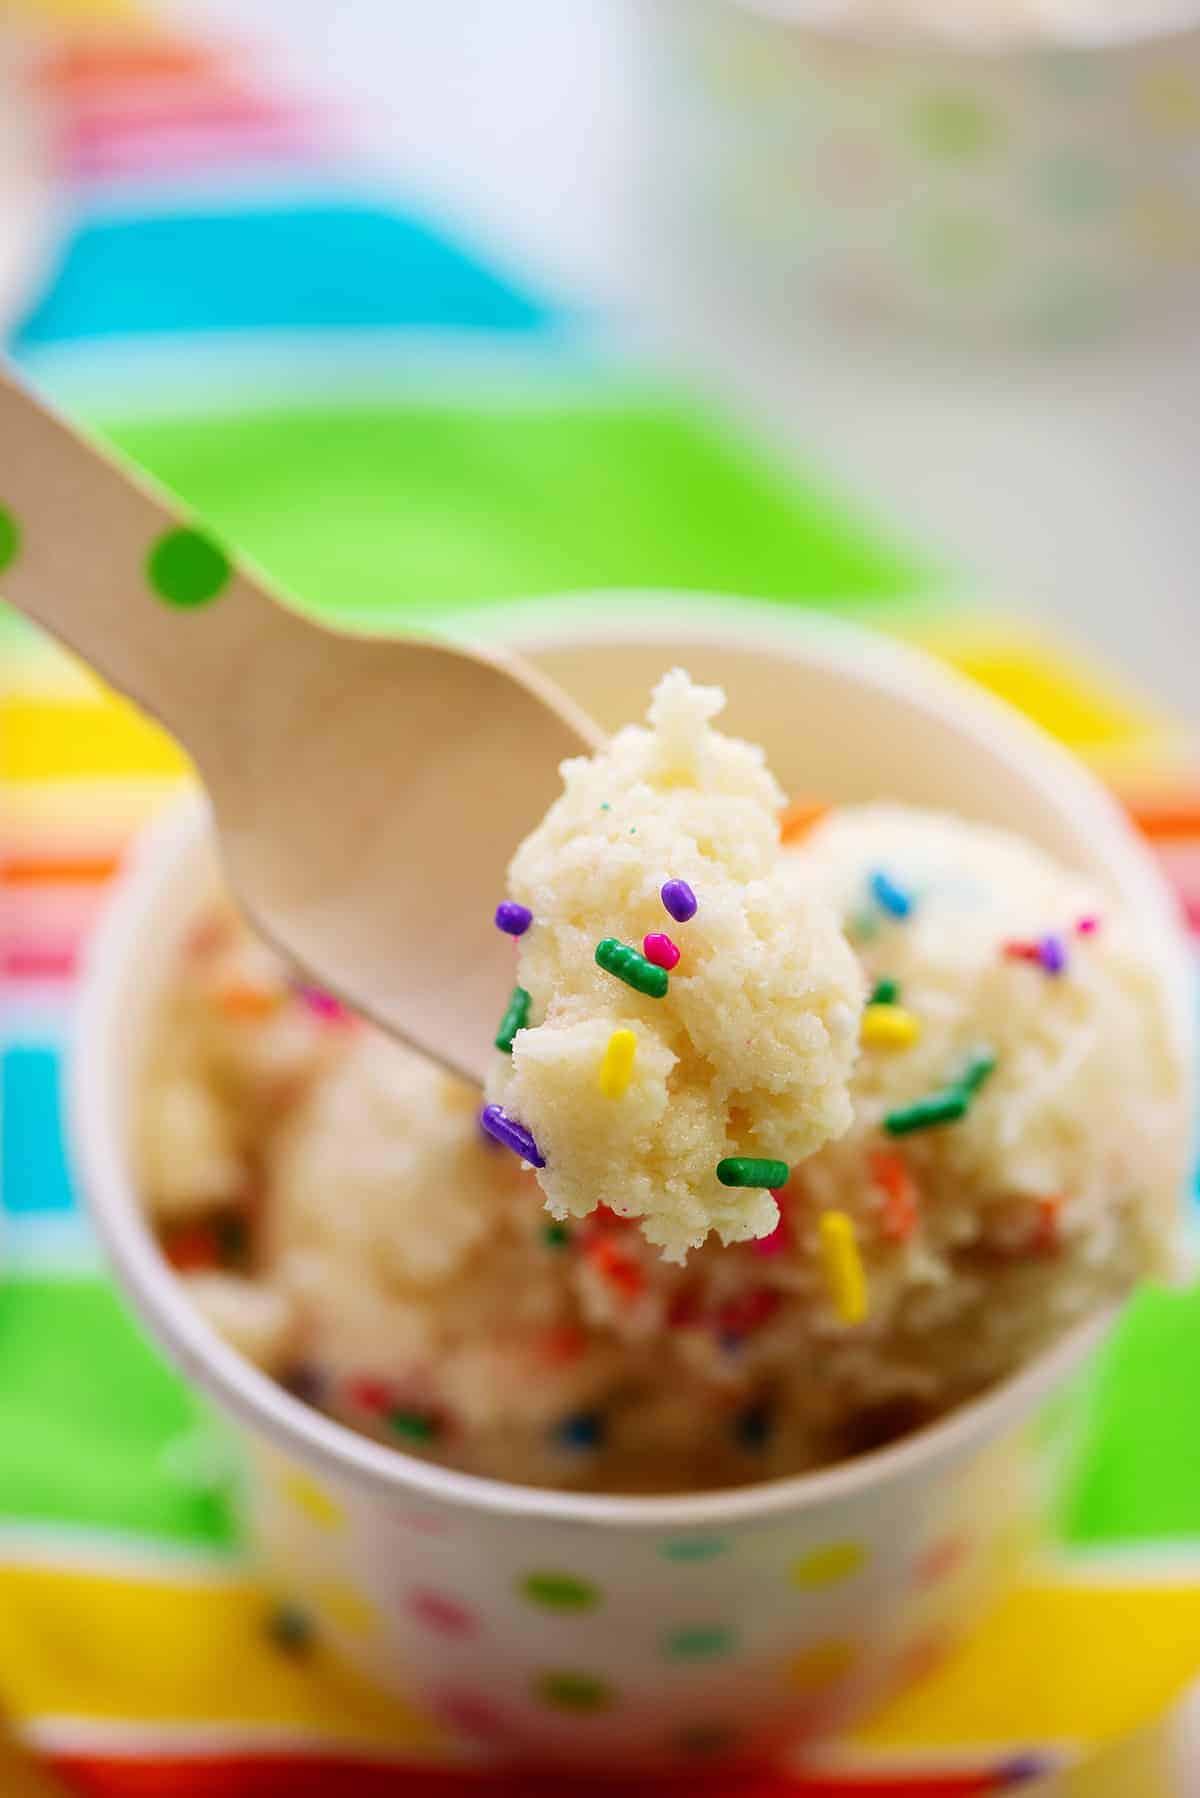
{"points": [[394, 426]]}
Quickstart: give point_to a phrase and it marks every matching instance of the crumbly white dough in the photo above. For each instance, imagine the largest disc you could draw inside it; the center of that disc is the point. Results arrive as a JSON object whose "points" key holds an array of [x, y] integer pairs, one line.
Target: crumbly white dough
{"points": [[750, 1052]]}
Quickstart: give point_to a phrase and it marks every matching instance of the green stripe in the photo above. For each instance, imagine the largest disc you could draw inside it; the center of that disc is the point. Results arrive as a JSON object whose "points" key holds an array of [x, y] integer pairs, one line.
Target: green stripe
{"points": [[1141, 1475], [377, 512], [88, 1416]]}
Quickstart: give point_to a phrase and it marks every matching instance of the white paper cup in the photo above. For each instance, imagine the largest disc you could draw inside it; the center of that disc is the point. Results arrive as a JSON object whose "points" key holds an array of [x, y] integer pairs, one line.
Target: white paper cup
{"points": [[1036, 191], [568, 1627]]}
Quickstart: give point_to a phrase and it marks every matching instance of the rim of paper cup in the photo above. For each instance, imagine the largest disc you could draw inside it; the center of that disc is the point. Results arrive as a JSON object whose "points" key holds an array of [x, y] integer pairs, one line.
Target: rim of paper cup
{"points": [[916, 40], [263, 1406]]}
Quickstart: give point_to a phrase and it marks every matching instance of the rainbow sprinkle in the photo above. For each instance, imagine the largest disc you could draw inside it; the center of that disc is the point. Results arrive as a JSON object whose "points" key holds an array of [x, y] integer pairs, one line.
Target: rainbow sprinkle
{"points": [[679, 900], [1052, 954], [886, 992], [843, 1266], [583, 1429], [889, 1027], [626, 964], [513, 919], [888, 896], [945, 1107], [515, 1018], [750, 1170], [414, 1426], [616, 1069], [659, 949], [513, 1135]]}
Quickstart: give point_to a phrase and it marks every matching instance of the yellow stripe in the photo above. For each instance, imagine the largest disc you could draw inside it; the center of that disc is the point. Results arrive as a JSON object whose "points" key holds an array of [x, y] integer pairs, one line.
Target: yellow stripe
{"points": [[47, 739], [88, 1644], [1055, 1662]]}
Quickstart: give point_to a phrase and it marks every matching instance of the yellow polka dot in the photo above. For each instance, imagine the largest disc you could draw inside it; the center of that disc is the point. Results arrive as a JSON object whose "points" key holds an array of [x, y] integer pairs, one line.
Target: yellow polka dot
{"points": [[828, 1566], [313, 1500], [346, 1609], [820, 1666]]}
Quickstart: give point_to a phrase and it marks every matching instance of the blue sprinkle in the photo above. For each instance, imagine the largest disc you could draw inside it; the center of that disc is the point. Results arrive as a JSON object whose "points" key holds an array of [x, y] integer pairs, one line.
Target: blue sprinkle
{"points": [[584, 1429], [888, 896]]}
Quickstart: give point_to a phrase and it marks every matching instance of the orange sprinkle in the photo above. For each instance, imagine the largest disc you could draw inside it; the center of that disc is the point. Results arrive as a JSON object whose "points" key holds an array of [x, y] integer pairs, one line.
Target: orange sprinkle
{"points": [[1022, 952], [561, 1342], [799, 819], [899, 1216], [241, 1000], [192, 1248], [618, 1267]]}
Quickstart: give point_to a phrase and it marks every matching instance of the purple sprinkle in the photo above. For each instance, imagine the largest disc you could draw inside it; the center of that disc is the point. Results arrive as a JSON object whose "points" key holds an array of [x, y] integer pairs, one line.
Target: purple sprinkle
{"points": [[1021, 1769], [1052, 954], [513, 1135], [679, 900], [513, 919]]}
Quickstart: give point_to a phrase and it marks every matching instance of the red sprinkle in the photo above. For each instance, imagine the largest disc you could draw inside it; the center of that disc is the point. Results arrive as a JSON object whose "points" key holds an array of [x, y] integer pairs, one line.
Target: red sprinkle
{"points": [[749, 1312], [192, 1248], [1023, 951], [685, 1310], [561, 1342], [780, 1237], [899, 1216], [658, 948], [618, 1267], [368, 1394]]}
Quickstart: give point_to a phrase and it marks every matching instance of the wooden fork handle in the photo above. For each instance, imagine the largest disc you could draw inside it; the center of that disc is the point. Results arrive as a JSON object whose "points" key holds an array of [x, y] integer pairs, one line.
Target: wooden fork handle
{"points": [[114, 569]]}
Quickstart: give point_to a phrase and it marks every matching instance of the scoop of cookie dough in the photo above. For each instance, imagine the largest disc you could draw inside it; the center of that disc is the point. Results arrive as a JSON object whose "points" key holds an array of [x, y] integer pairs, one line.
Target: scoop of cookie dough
{"points": [[742, 1050]]}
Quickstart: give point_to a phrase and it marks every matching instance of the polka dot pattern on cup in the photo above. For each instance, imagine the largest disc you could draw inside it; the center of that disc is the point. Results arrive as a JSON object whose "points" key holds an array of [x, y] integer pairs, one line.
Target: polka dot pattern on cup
{"points": [[10, 538], [185, 568], [693, 1548], [567, 1690], [828, 1566], [312, 1500], [559, 1592], [441, 1613], [699, 1642]]}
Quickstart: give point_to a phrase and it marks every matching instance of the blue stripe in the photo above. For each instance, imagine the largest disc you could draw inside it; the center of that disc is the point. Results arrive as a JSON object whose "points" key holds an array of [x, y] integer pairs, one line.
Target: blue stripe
{"points": [[33, 1167], [302, 267]]}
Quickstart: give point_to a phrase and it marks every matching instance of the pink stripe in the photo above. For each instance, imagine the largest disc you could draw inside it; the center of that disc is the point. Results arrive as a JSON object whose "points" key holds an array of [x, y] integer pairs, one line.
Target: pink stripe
{"points": [[40, 961], [183, 111], [169, 149]]}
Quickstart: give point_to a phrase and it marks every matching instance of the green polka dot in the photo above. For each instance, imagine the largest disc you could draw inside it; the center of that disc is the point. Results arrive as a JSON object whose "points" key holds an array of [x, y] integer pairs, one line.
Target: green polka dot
{"points": [[10, 538], [694, 1548], [186, 568], [954, 126], [698, 1642], [574, 1691], [559, 1592]]}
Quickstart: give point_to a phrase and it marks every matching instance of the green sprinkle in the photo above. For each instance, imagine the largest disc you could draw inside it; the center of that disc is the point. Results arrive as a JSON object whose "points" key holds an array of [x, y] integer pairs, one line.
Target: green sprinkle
{"points": [[604, 806], [887, 992], [939, 1108], [515, 1018], [747, 1170], [555, 1236], [414, 1426], [631, 967], [976, 1071]]}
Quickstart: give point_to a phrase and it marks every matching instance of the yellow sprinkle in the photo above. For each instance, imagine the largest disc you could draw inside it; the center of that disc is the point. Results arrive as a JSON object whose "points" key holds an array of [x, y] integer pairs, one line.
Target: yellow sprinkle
{"points": [[616, 1070], [889, 1027], [843, 1267]]}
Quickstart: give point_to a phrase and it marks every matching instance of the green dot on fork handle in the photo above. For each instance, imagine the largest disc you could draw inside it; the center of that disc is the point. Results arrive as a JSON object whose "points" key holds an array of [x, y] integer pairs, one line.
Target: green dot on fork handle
{"points": [[10, 538]]}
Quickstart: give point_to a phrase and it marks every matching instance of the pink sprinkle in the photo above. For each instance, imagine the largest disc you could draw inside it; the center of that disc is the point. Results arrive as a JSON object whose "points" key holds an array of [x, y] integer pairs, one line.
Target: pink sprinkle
{"points": [[324, 1004], [1087, 926], [659, 949]]}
